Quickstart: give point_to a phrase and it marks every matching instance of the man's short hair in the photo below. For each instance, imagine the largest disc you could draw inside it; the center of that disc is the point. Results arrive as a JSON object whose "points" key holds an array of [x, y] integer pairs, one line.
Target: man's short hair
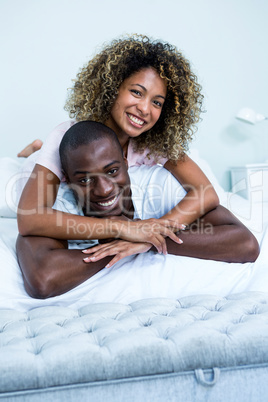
{"points": [[83, 133]]}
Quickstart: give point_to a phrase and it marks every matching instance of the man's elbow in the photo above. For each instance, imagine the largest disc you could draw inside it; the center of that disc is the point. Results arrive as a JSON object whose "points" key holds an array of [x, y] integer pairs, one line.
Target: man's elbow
{"points": [[40, 286], [251, 249], [247, 248], [243, 246], [38, 291]]}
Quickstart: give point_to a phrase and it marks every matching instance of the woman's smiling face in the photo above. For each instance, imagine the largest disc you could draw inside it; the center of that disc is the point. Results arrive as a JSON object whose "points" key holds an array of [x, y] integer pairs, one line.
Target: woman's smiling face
{"points": [[138, 105]]}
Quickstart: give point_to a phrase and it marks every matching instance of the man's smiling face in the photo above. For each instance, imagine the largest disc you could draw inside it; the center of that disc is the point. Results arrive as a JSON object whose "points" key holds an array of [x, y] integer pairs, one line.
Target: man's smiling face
{"points": [[97, 173]]}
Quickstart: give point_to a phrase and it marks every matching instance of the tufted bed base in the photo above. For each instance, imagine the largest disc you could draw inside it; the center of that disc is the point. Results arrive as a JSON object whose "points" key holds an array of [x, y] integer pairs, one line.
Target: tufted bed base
{"points": [[197, 348], [247, 384]]}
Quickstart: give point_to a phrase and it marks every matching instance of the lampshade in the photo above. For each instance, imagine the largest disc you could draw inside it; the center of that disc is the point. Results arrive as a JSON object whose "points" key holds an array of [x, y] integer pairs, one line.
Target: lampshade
{"points": [[250, 116]]}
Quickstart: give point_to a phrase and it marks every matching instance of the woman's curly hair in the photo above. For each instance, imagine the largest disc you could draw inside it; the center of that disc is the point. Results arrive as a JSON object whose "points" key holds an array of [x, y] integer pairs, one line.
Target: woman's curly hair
{"points": [[97, 84]]}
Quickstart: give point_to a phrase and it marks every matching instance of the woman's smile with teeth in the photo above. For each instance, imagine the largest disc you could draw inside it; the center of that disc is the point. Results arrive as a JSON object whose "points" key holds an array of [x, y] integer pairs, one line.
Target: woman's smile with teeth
{"points": [[135, 119], [108, 203]]}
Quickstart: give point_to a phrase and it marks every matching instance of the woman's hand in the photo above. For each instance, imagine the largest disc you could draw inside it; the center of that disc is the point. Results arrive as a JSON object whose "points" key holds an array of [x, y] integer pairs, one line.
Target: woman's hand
{"points": [[119, 248], [115, 217], [123, 248], [153, 231]]}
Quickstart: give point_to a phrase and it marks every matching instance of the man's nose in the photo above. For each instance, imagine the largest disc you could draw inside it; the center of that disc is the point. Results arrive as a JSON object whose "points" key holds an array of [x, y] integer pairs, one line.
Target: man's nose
{"points": [[104, 186]]}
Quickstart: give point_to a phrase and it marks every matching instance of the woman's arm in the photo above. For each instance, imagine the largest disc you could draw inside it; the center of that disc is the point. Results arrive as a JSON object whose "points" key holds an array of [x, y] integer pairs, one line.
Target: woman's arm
{"points": [[37, 218], [201, 196], [218, 236]]}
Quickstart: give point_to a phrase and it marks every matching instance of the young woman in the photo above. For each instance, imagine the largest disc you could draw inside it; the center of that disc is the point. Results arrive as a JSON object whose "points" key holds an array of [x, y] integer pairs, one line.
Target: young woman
{"points": [[146, 92]]}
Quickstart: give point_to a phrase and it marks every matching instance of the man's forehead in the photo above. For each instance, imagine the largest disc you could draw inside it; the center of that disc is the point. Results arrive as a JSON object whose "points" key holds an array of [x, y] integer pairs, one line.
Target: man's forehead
{"points": [[102, 144], [96, 156]]}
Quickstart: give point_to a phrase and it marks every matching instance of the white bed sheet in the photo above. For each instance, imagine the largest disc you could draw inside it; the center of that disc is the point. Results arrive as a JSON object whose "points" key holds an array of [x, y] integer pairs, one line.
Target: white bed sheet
{"points": [[143, 276], [147, 275]]}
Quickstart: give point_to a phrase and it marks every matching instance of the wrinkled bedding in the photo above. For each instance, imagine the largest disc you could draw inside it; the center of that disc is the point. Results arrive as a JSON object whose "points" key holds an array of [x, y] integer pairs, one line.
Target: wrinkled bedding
{"points": [[148, 275]]}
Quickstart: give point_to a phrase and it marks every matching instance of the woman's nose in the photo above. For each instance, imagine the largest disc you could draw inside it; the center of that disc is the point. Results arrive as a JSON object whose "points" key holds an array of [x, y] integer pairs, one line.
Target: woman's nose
{"points": [[144, 106], [104, 186]]}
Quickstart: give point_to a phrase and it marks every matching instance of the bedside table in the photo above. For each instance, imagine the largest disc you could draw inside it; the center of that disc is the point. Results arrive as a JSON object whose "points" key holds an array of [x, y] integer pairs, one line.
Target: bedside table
{"points": [[249, 179]]}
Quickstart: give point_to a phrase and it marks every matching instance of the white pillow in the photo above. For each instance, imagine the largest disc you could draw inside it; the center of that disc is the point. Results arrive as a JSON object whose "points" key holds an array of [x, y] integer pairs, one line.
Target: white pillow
{"points": [[9, 172], [194, 155], [9, 176]]}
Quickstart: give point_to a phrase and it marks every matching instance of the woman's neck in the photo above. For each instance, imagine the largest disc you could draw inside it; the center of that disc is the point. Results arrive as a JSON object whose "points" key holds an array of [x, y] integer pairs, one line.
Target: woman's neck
{"points": [[123, 138], [125, 148]]}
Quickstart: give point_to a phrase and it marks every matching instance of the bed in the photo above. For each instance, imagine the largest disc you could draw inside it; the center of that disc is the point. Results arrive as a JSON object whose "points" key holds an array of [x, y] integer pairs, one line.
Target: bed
{"points": [[199, 332]]}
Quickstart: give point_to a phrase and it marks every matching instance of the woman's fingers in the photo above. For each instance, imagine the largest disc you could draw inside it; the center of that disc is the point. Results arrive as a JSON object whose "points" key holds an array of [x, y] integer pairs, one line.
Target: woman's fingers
{"points": [[94, 249], [158, 234], [135, 248], [105, 250], [99, 254], [120, 249], [172, 224], [153, 231], [159, 242], [116, 258], [173, 236]]}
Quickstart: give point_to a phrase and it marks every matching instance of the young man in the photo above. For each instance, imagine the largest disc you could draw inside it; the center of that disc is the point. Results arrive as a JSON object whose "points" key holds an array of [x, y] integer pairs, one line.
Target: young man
{"points": [[96, 172]]}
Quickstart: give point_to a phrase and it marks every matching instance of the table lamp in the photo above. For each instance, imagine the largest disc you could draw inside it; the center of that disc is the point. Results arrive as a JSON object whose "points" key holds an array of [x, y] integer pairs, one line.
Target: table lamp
{"points": [[248, 115]]}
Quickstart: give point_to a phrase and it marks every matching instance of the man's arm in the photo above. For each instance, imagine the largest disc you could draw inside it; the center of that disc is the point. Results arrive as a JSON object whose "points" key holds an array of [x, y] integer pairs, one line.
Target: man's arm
{"points": [[50, 269], [218, 235]]}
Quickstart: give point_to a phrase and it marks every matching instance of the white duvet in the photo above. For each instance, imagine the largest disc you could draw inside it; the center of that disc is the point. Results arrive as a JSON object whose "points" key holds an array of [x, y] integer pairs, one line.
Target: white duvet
{"points": [[149, 274]]}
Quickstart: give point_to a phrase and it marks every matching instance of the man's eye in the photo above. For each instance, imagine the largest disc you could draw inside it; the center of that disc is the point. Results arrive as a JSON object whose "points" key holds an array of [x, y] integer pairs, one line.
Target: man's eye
{"points": [[86, 180], [113, 171]]}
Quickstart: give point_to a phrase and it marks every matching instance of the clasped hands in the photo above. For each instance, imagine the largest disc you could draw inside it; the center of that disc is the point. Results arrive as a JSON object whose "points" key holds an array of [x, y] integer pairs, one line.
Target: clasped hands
{"points": [[139, 236]]}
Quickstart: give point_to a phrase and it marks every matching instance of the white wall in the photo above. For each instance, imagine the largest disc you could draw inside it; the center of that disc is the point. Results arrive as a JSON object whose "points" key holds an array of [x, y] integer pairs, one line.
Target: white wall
{"points": [[45, 42]]}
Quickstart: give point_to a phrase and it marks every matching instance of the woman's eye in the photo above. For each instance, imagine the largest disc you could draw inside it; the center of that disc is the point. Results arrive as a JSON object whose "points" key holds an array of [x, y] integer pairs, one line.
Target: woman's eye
{"points": [[157, 103], [136, 92]]}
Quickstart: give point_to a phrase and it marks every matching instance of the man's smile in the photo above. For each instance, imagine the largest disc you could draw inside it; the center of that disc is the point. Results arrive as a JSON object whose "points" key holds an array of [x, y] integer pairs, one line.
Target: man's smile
{"points": [[109, 202]]}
